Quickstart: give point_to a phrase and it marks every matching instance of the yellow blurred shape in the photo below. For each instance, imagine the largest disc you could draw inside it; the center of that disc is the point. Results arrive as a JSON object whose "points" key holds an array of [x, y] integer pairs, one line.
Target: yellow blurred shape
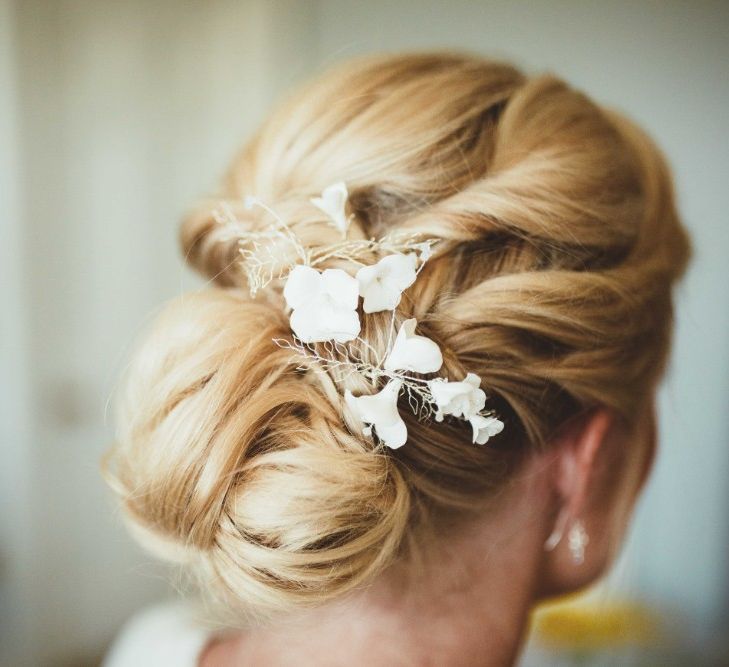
{"points": [[578, 622]]}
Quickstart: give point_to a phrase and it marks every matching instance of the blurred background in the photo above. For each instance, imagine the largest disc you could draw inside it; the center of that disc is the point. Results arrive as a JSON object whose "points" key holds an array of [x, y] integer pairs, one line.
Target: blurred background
{"points": [[115, 116]]}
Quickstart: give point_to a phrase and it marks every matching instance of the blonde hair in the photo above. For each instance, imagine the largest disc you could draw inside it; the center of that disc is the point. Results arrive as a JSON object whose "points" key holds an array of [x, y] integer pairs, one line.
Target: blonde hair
{"points": [[560, 245]]}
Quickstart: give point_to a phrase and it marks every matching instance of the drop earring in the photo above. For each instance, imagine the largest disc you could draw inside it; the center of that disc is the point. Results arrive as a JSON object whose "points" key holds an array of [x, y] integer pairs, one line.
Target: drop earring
{"points": [[556, 536], [578, 540]]}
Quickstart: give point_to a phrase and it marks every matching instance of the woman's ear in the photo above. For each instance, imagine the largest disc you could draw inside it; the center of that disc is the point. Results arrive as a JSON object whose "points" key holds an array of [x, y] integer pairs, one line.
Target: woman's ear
{"points": [[577, 549], [579, 448]]}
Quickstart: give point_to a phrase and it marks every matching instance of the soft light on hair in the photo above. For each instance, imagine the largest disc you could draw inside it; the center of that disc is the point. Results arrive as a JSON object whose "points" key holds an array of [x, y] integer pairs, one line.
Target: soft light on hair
{"points": [[552, 282]]}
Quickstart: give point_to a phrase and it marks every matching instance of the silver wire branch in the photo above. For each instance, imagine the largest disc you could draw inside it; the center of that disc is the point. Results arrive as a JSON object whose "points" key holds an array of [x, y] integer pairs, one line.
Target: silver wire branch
{"points": [[356, 250], [340, 361], [261, 256], [260, 249]]}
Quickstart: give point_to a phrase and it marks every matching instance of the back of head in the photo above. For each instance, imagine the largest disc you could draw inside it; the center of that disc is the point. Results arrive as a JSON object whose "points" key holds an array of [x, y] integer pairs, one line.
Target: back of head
{"points": [[559, 245]]}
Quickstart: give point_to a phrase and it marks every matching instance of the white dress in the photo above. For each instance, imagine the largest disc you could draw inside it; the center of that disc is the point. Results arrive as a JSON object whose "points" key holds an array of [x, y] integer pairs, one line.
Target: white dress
{"points": [[166, 635]]}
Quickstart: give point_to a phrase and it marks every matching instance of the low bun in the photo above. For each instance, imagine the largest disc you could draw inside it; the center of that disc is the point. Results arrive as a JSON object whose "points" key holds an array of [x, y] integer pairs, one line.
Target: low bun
{"points": [[233, 462]]}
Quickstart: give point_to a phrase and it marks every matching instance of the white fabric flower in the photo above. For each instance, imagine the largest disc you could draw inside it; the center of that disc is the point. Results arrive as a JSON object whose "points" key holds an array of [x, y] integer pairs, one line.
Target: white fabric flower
{"points": [[380, 411], [333, 202], [485, 427], [382, 284], [412, 352], [324, 304], [461, 399]]}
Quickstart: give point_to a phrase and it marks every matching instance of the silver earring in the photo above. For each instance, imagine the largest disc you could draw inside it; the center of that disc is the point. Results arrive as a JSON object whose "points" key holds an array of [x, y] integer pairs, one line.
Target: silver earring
{"points": [[556, 536], [578, 540]]}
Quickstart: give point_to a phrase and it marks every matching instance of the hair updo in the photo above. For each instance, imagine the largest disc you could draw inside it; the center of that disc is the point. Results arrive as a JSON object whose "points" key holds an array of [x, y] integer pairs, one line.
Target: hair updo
{"points": [[552, 281]]}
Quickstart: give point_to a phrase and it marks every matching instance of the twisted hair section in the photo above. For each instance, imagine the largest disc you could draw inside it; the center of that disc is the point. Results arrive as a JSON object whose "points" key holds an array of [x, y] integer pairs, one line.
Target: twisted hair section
{"points": [[552, 280]]}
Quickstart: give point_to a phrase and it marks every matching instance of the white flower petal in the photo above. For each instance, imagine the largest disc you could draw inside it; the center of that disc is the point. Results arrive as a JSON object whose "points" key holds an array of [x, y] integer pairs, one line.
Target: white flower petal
{"points": [[460, 399], [399, 270], [382, 284], [442, 391], [412, 352], [320, 321], [380, 410], [324, 305], [305, 323], [302, 284], [379, 297], [342, 288], [370, 288], [477, 402], [340, 324], [393, 435], [366, 275], [333, 202], [484, 428], [380, 407]]}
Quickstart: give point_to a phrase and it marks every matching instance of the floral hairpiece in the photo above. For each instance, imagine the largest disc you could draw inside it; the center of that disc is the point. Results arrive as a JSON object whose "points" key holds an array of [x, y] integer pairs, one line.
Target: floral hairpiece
{"points": [[324, 310]]}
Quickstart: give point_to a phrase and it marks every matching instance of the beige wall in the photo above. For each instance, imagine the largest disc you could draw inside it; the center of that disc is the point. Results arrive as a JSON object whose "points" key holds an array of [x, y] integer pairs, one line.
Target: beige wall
{"points": [[123, 112], [16, 545]]}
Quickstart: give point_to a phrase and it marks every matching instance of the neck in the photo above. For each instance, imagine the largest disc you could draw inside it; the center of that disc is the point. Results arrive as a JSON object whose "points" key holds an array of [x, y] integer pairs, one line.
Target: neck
{"points": [[468, 605]]}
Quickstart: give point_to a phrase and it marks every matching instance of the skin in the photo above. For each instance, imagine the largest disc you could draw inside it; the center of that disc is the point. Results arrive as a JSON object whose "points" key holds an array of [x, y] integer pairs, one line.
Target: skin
{"points": [[469, 603]]}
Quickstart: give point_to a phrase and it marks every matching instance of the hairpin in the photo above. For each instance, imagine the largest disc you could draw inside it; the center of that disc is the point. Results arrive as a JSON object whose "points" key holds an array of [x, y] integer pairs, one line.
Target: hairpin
{"points": [[324, 318]]}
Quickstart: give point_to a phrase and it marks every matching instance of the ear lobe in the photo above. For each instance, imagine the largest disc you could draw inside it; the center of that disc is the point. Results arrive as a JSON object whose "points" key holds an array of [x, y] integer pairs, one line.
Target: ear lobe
{"points": [[578, 447]]}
